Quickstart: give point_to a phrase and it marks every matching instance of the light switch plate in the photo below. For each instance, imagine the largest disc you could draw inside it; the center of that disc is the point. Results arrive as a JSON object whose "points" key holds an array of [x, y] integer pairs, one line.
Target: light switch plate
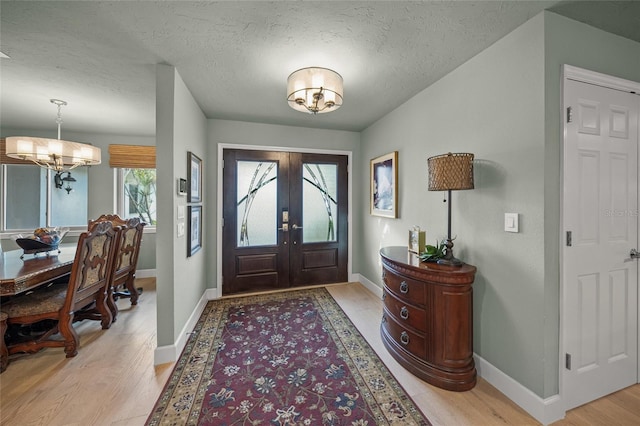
{"points": [[180, 229], [511, 222]]}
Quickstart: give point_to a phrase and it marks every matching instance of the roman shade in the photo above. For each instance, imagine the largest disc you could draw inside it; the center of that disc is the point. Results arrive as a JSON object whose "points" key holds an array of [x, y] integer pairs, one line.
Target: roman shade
{"points": [[132, 156]]}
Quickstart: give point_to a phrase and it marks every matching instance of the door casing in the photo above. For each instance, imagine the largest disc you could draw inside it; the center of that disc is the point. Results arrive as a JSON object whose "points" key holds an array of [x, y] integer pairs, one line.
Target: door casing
{"points": [[222, 146], [603, 80]]}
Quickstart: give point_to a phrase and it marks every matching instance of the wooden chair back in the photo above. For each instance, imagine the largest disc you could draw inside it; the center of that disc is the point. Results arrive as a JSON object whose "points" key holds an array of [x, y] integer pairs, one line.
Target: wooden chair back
{"points": [[126, 258], [84, 296], [92, 270]]}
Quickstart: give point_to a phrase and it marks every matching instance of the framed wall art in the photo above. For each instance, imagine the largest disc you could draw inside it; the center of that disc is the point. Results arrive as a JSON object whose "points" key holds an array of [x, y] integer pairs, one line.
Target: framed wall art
{"points": [[384, 185], [194, 242], [194, 178]]}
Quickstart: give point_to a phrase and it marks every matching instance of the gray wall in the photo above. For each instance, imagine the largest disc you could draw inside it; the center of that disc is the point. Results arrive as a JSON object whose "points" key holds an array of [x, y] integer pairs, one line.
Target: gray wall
{"points": [[269, 135], [572, 43], [504, 106], [180, 127], [492, 106]]}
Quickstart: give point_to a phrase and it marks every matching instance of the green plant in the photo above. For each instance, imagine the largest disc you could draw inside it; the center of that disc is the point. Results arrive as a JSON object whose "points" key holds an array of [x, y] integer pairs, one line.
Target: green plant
{"points": [[433, 253]]}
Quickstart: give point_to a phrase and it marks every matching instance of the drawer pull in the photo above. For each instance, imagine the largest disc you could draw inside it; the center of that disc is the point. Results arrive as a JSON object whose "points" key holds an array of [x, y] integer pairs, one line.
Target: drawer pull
{"points": [[384, 296], [404, 338], [384, 319], [404, 287], [404, 313]]}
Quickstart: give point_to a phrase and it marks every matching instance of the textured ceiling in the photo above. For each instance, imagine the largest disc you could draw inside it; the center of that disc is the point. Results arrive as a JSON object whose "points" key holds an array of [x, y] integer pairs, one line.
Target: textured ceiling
{"points": [[235, 56]]}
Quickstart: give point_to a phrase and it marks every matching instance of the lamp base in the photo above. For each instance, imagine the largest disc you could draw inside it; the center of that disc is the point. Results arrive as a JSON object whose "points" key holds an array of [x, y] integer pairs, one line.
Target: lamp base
{"points": [[451, 262], [448, 258]]}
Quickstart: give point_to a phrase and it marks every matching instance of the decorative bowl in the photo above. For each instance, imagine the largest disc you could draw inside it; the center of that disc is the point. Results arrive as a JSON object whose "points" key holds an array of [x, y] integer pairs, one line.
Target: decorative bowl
{"points": [[43, 240]]}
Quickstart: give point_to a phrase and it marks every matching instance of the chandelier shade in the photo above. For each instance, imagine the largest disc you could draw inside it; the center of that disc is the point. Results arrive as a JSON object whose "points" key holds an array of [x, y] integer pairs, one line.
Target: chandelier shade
{"points": [[315, 90], [53, 154]]}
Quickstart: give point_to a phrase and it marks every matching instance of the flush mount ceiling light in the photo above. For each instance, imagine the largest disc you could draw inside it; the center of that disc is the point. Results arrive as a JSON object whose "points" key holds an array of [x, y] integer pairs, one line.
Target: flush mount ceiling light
{"points": [[53, 154], [315, 90]]}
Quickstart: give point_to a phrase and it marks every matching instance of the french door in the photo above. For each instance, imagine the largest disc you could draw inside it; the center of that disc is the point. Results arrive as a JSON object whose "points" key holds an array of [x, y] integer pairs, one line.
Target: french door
{"points": [[285, 220]]}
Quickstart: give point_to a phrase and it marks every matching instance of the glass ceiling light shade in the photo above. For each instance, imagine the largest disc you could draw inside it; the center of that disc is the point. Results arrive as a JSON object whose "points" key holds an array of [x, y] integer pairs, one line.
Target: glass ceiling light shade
{"points": [[53, 154], [315, 90]]}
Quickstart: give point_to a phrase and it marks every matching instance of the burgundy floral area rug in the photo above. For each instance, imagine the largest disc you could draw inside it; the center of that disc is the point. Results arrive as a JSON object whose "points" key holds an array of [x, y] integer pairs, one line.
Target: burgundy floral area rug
{"points": [[290, 358]]}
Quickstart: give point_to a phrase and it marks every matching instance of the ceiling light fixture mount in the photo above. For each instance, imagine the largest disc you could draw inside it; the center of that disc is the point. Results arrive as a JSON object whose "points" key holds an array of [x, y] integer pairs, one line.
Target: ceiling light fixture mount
{"points": [[315, 90], [53, 154]]}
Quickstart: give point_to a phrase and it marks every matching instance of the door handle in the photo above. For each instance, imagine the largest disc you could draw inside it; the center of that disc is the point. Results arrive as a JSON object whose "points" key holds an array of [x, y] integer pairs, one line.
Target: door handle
{"points": [[634, 254], [294, 227], [285, 227]]}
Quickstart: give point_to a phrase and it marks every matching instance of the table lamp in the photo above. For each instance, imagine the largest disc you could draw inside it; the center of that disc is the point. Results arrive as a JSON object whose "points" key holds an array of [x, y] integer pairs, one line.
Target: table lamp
{"points": [[450, 172]]}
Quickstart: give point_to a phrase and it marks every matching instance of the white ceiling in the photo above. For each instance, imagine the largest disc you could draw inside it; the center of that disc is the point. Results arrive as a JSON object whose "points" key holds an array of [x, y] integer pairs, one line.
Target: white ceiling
{"points": [[235, 56]]}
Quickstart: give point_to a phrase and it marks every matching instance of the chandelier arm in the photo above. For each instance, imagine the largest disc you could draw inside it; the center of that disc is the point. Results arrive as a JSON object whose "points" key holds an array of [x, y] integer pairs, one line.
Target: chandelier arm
{"points": [[41, 164], [316, 99]]}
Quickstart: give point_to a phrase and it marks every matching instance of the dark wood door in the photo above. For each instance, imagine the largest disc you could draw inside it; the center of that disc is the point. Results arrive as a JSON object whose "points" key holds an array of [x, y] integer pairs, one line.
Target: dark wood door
{"points": [[318, 197], [285, 220]]}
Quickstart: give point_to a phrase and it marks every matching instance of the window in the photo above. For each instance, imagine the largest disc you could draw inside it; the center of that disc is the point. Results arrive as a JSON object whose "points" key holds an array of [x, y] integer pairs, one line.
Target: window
{"points": [[31, 199], [135, 181], [137, 194]]}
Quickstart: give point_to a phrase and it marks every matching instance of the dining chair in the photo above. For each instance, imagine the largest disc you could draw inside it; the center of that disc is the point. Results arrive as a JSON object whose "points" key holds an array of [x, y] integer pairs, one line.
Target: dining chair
{"points": [[4, 353], [124, 276], [54, 308]]}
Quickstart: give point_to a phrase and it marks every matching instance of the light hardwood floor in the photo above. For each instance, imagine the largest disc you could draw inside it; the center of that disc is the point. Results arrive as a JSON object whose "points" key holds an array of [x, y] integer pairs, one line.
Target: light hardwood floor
{"points": [[112, 380]]}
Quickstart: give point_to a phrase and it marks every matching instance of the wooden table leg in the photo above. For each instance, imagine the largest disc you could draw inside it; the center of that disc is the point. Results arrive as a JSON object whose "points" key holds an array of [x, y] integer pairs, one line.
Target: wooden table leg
{"points": [[4, 353]]}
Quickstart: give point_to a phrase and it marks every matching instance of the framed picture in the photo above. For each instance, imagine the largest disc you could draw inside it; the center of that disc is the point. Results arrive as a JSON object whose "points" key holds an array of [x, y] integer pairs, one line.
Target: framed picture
{"points": [[194, 242], [194, 177], [384, 185]]}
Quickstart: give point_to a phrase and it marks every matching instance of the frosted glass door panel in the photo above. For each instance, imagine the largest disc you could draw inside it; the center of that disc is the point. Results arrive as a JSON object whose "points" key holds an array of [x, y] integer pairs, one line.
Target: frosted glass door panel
{"points": [[319, 202], [257, 203]]}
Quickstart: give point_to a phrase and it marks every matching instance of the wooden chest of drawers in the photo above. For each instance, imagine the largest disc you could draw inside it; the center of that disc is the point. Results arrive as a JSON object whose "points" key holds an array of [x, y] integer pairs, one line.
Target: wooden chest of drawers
{"points": [[427, 322]]}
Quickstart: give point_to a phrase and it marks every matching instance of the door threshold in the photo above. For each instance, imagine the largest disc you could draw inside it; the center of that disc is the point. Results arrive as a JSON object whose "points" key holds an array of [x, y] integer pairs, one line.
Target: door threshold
{"points": [[281, 290]]}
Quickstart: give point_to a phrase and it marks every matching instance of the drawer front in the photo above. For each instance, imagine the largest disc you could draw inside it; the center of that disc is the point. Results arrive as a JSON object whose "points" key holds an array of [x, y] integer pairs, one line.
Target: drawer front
{"points": [[413, 342], [404, 313], [407, 289]]}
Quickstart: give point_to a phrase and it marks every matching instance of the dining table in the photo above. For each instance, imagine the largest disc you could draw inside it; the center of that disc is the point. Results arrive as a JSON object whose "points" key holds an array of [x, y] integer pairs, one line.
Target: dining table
{"points": [[21, 272]]}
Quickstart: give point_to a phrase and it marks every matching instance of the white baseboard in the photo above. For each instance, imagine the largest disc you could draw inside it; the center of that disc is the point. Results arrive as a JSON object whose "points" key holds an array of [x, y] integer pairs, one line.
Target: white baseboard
{"points": [[544, 410], [145, 273], [171, 353], [373, 288]]}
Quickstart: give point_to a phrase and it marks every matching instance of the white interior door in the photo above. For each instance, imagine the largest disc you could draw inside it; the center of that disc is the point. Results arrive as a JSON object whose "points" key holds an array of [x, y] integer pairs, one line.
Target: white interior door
{"points": [[600, 217]]}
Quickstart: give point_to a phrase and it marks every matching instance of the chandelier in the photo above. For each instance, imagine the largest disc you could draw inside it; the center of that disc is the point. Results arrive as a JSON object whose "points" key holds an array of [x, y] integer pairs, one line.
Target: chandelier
{"points": [[53, 154], [314, 90]]}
